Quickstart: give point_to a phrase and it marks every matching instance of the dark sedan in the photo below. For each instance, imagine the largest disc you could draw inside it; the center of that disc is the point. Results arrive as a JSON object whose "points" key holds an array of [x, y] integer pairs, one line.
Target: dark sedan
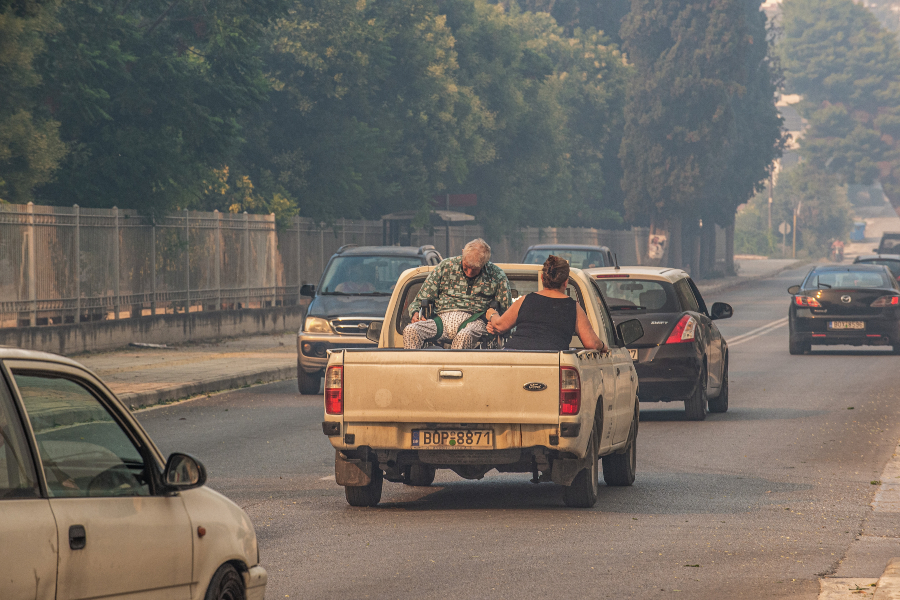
{"points": [[682, 356], [891, 261], [857, 304]]}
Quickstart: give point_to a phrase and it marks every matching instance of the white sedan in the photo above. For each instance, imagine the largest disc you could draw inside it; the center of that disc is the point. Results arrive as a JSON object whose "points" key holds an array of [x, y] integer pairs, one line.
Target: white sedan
{"points": [[89, 508]]}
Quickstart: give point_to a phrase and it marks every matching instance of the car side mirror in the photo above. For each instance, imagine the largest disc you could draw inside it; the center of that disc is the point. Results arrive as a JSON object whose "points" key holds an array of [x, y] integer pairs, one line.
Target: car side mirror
{"points": [[373, 333], [308, 289], [794, 289], [630, 331], [720, 310], [183, 472]]}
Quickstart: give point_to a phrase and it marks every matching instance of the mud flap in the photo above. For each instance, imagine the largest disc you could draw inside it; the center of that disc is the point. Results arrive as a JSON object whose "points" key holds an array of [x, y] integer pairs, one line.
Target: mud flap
{"points": [[565, 470], [352, 472]]}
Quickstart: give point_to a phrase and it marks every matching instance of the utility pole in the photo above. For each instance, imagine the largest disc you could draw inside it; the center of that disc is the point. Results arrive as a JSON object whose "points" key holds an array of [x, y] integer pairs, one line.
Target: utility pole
{"points": [[771, 185], [796, 212]]}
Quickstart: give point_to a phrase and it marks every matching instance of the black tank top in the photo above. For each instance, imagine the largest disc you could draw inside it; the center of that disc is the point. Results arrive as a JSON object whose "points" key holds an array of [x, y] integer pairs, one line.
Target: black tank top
{"points": [[544, 324]]}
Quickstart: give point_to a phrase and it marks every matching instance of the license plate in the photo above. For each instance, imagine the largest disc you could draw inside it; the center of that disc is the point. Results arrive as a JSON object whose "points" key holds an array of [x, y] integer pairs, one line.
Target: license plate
{"points": [[846, 324], [452, 438], [633, 354]]}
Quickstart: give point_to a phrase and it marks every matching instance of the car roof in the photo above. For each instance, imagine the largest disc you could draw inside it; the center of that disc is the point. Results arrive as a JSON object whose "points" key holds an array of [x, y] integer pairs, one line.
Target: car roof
{"points": [[848, 268], [566, 247], [658, 273], [877, 257], [384, 250], [11, 353]]}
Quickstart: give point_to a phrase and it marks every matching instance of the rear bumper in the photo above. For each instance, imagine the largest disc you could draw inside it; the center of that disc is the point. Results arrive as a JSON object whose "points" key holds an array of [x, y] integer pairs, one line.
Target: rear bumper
{"points": [[879, 331], [669, 372], [255, 581]]}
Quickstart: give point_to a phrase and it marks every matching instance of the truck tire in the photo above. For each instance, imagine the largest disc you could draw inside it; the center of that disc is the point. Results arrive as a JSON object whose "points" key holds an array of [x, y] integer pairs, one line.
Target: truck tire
{"points": [[582, 493], [719, 404], [619, 469], [420, 475], [366, 495], [308, 383], [695, 406]]}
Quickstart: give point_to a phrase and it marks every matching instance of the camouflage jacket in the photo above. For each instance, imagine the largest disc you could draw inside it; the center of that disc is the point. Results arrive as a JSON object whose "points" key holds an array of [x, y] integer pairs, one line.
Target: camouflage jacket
{"points": [[450, 289]]}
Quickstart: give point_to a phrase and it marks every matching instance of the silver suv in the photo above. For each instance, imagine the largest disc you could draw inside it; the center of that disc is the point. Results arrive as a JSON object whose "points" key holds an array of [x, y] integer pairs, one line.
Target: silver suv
{"points": [[355, 290]]}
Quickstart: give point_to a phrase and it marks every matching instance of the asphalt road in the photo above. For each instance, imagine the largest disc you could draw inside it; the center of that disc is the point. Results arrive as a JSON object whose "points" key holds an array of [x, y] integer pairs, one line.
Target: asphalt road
{"points": [[758, 502]]}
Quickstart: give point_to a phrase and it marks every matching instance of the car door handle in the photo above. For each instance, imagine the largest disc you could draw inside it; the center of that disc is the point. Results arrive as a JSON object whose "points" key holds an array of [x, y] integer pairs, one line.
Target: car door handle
{"points": [[77, 537], [617, 370], [451, 374]]}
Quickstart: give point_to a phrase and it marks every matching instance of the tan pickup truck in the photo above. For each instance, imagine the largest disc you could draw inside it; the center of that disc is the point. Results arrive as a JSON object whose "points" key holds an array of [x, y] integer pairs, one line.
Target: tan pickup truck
{"points": [[400, 414]]}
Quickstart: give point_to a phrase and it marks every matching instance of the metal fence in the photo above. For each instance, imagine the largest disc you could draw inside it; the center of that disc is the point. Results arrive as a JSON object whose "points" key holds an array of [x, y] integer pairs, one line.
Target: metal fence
{"points": [[71, 265]]}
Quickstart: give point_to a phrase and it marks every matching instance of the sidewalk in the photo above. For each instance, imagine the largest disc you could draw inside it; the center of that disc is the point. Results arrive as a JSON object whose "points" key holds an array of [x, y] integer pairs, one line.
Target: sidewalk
{"points": [[749, 269], [145, 376]]}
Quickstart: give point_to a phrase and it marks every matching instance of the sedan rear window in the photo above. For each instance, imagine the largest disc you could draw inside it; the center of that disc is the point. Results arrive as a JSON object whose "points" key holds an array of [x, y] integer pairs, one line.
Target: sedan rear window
{"points": [[642, 295], [846, 280]]}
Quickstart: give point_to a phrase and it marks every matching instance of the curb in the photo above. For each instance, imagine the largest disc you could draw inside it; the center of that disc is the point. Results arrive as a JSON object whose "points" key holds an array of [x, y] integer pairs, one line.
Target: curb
{"points": [[137, 400], [714, 288], [888, 587]]}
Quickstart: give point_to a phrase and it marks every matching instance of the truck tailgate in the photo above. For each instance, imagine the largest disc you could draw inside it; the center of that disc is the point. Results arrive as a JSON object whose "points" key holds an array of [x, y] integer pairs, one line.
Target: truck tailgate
{"points": [[450, 386]]}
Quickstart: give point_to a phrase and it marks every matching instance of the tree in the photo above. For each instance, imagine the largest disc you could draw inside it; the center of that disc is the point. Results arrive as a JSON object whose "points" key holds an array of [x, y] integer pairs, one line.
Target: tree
{"points": [[847, 68], [30, 147], [688, 119], [150, 96]]}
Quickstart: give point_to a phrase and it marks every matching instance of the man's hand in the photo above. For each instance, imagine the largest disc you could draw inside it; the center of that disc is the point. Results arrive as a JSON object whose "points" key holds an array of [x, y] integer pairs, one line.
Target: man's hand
{"points": [[415, 317]]}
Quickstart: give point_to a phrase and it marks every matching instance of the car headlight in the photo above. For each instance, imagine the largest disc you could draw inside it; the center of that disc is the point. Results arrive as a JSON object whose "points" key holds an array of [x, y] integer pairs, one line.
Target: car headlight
{"points": [[316, 325]]}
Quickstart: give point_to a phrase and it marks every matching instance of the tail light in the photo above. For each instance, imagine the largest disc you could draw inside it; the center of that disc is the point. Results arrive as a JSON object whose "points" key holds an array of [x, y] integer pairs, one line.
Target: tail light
{"points": [[334, 391], [569, 391], [806, 302], [685, 331], [886, 301]]}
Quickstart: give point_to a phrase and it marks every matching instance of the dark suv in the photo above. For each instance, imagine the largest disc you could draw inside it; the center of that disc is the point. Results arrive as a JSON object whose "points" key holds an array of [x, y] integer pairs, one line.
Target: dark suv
{"points": [[355, 290]]}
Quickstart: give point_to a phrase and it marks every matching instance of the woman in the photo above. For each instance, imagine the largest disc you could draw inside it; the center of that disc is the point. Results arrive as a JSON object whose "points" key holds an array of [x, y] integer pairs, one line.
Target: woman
{"points": [[547, 320]]}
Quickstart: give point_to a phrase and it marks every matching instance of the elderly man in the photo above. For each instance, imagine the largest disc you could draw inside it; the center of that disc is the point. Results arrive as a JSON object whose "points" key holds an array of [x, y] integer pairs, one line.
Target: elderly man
{"points": [[461, 287]]}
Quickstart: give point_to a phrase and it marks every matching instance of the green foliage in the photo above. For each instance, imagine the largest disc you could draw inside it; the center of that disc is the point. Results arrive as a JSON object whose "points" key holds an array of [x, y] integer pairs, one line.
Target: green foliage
{"points": [[30, 148], [751, 229]]}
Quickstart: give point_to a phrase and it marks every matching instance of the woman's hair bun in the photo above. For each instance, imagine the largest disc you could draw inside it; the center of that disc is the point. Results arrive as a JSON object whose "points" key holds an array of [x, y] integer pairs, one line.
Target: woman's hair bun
{"points": [[556, 271]]}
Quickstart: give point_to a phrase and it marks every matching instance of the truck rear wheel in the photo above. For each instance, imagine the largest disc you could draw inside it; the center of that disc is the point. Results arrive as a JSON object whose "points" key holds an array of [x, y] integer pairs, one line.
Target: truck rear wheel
{"points": [[582, 493], [619, 469], [420, 475], [366, 495]]}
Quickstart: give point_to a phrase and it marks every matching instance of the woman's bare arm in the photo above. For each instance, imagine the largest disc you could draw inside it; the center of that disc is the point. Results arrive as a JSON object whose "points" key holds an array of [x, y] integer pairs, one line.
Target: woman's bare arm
{"points": [[586, 333], [506, 321]]}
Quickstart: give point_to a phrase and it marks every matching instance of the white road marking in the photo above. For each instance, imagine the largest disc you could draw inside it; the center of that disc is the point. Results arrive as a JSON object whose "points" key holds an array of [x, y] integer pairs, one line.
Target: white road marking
{"points": [[759, 331], [329, 478]]}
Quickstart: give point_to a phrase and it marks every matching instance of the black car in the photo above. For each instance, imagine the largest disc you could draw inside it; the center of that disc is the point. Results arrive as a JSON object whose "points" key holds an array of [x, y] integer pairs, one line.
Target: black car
{"points": [[355, 290], [856, 304], [682, 356], [891, 261], [890, 241], [579, 256]]}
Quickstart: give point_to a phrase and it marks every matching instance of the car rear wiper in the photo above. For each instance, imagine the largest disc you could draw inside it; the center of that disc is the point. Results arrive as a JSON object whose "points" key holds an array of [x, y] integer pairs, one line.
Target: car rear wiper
{"points": [[825, 285]]}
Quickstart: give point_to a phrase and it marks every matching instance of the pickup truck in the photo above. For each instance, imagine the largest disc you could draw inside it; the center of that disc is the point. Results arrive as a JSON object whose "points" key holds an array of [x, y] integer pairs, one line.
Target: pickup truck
{"points": [[400, 414]]}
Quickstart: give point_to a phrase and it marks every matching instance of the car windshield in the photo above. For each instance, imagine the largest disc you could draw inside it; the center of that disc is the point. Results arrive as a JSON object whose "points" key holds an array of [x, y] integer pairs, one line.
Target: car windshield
{"points": [[580, 259], [365, 275], [893, 265], [846, 280], [645, 296]]}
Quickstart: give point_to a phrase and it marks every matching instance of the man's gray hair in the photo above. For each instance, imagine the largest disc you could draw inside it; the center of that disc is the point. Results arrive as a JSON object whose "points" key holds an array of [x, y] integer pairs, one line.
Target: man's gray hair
{"points": [[477, 253]]}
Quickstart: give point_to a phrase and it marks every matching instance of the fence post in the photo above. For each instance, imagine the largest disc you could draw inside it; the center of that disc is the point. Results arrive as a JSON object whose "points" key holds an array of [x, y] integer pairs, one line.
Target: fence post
{"points": [[32, 270], [116, 261], [187, 263], [153, 268], [247, 257], [321, 249], [218, 259], [77, 263], [299, 257], [271, 249]]}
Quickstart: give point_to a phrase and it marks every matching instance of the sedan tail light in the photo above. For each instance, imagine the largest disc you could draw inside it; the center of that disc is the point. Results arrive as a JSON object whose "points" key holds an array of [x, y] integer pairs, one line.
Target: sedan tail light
{"points": [[807, 302], [685, 331], [334, 391], [886, 301], [569, 391]]}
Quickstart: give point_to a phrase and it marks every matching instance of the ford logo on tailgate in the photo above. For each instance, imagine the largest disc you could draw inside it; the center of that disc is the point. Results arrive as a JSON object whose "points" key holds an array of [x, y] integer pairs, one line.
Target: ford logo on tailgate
{"points": [[535, 386]]}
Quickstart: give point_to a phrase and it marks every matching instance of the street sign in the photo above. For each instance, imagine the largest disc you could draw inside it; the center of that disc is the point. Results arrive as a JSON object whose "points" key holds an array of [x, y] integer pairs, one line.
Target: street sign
{"points": [[784, 228]]}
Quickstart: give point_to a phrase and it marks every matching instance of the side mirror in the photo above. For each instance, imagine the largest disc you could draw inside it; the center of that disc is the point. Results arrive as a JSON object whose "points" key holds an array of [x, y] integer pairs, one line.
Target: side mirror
{"points": [[183, 472], [373, 333], [308, 289], [630, 331], [720, 310], [514, 293], [794, 289]]}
